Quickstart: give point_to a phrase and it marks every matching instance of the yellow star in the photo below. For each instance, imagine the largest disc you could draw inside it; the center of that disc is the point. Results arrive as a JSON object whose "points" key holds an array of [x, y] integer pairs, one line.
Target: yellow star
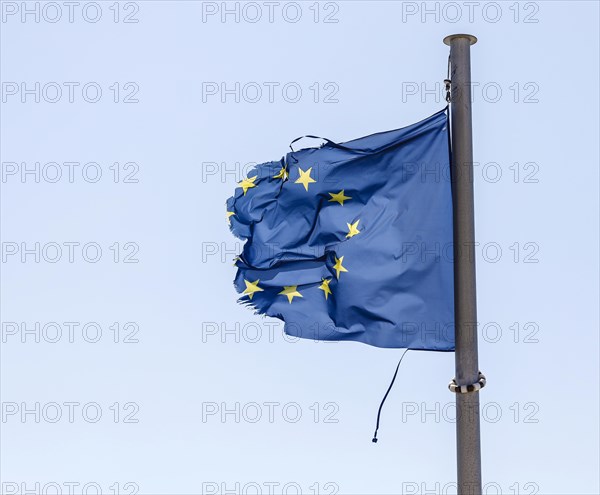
{"points": [[338, 266], [305, 179], [282, 174], [246, 184], [251, 288], [325, 287], [230, 214], [353, 229], [291, 292], [339, 197]]}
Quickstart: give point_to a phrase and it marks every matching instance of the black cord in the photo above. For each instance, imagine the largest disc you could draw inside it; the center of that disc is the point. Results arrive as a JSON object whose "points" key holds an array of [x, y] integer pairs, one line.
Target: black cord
{"points": [[386, 394]]}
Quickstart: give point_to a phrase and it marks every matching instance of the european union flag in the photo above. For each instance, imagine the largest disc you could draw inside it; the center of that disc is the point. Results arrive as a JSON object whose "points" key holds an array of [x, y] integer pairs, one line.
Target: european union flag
{"points": [[353, 241]]}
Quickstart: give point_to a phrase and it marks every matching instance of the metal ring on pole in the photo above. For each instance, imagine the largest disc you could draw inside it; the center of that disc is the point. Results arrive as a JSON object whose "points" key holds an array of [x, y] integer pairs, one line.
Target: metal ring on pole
{"points": [[465, 389]]}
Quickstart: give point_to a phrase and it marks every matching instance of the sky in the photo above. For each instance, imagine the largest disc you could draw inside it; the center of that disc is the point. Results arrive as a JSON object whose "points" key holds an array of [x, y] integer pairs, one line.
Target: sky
{"points": [[127, 366]]}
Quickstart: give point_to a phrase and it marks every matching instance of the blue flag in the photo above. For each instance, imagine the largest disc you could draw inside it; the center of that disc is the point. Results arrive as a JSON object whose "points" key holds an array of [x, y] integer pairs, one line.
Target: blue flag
{"points": [[353, 241]]}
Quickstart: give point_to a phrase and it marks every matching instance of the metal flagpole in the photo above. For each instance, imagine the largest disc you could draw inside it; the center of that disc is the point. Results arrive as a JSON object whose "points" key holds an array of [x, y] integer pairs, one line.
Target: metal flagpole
{"points": [[468, 444]]}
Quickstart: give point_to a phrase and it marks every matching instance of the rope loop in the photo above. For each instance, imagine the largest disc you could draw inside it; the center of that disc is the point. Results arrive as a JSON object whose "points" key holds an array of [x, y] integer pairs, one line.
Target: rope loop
{"points": [[465, 389]]}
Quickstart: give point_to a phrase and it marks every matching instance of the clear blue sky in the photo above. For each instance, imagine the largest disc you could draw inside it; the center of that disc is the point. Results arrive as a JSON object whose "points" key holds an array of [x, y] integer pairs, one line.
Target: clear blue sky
{"points": [[191, 95]]}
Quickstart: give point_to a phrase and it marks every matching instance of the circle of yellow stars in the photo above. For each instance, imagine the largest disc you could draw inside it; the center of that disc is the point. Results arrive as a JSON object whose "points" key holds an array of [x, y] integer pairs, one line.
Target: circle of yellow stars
{"points": [[304, 179]]}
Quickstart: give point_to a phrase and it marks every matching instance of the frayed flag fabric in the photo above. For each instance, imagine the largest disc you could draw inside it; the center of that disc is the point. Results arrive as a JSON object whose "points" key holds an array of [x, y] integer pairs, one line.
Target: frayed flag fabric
{"points": [[353, 241]]}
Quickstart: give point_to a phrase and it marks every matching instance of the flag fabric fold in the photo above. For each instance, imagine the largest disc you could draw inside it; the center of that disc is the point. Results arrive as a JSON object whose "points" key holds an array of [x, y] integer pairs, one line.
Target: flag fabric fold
{"points": [[353, 241]]}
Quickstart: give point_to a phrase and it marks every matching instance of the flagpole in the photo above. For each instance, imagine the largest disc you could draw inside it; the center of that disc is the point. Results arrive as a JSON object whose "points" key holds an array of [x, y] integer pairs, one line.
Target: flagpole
{"points": [[468, 443]]}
